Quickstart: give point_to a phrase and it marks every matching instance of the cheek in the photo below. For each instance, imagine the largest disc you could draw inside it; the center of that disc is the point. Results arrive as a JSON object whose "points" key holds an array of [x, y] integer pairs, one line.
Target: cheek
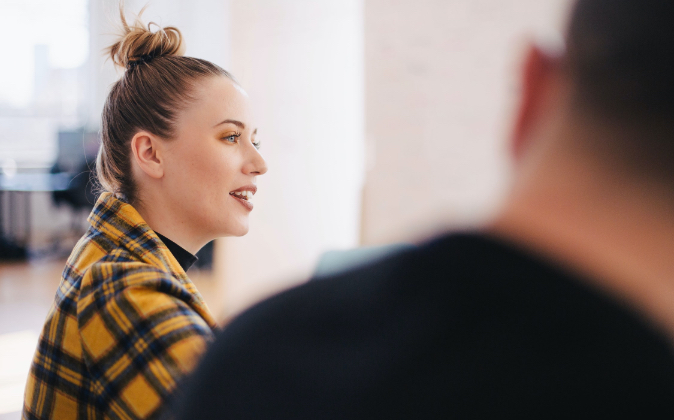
{"points": [[192, 164], [187, 172], [211, 171]]}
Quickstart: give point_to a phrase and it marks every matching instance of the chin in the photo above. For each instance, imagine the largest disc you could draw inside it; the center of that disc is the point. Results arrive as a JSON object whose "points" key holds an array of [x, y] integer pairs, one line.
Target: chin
{"points": [[238, 231], [235, 227], [242, 232]]}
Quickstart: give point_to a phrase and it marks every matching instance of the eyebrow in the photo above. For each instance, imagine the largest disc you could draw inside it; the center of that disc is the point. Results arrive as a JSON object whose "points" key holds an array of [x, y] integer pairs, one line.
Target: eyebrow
{"points": [[236, 123]]}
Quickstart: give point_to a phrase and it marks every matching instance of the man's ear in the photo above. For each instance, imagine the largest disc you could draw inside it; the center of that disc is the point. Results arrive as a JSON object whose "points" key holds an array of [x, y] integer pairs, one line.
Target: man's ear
{"points": [[147, 154], [537, 79]]}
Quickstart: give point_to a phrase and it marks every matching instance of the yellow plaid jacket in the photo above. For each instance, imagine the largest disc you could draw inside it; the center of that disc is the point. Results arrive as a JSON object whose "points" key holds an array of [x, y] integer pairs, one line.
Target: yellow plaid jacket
{"points": [[126, 325]]}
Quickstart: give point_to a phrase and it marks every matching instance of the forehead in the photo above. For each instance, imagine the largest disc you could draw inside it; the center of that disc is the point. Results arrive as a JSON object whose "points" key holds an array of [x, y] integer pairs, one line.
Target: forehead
{"points": [[216, 99]]}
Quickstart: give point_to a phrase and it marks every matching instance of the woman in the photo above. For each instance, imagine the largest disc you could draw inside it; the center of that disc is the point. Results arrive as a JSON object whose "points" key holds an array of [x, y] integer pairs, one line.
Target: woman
{"points": [[178, 163]]}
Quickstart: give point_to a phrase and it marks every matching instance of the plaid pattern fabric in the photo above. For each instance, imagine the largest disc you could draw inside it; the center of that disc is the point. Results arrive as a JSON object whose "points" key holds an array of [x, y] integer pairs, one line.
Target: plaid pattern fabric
{"points": [[126, 325]]}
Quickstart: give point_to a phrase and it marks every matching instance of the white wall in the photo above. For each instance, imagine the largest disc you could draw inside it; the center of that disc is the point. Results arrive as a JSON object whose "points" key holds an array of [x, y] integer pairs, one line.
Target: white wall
{"points": [[439, 88], [301, 62]]}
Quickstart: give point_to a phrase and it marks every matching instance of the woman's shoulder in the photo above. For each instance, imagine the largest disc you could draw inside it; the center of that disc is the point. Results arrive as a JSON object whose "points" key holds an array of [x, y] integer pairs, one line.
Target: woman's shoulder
{"points": [[125, 272], [100, 264], [136, 287], [118, 272]]}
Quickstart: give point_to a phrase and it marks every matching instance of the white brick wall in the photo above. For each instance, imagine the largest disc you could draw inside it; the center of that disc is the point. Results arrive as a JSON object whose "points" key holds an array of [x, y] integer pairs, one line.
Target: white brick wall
{"points": [[440, 84]]}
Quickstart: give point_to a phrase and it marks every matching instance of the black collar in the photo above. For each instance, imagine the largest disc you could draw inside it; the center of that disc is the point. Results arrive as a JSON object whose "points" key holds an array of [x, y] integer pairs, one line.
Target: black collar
{"points": [[184, 258]]}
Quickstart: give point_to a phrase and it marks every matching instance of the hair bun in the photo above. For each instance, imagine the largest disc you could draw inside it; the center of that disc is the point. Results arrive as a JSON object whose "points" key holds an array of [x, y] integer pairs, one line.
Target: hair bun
{"points": [[139, 44]]}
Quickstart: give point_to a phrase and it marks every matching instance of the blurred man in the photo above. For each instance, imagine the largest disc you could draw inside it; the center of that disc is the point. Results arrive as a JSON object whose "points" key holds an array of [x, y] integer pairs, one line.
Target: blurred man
{"points": [[563, 306]]}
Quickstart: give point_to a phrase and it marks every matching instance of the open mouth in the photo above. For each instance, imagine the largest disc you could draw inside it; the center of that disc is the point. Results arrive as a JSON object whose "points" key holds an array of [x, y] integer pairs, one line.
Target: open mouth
{"points": [[244, 195]]}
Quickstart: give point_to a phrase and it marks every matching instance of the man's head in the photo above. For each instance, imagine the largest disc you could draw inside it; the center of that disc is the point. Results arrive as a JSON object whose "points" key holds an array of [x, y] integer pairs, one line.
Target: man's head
{"points": [[615, 79], [594, 144], [620, 56]]}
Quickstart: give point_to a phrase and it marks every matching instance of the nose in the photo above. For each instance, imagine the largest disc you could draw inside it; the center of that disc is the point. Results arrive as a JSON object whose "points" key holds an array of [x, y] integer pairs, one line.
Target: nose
{"points": [[255, 165]]}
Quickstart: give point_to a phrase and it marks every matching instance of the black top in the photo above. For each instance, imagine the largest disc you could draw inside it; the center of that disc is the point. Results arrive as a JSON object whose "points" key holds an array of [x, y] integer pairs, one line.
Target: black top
{"points": [[184, 258], [463, 327]]}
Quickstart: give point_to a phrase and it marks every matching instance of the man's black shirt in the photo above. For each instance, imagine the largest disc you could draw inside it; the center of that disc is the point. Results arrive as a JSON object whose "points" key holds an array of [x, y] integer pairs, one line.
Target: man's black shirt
{"points": [[466, 326]]}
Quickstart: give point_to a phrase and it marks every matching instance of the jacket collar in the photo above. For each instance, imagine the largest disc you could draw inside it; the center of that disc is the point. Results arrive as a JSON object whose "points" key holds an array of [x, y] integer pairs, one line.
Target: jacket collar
{"points": [[122, 224]]}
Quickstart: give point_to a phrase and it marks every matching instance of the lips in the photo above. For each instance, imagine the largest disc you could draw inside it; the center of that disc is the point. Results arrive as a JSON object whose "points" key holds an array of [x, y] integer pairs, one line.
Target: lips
{"points": [[244, 194]]}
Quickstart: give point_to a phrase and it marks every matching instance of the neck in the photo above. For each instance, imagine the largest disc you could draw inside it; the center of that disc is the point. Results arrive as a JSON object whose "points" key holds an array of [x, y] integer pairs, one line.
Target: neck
{"points": [[614, 229], [159, 216]]}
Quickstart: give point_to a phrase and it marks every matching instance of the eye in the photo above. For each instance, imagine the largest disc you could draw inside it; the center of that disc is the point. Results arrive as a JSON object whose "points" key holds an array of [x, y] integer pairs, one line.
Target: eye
{"points": [[232, 138], [257, 144]]}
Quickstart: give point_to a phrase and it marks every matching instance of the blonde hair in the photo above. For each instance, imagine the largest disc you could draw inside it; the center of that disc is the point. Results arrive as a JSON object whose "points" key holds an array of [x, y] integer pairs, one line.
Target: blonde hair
{"points": [[156, 84]]}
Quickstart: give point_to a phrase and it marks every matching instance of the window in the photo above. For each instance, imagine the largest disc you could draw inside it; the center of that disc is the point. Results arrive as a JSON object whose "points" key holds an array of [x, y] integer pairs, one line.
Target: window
{"points": [[44, 81]]}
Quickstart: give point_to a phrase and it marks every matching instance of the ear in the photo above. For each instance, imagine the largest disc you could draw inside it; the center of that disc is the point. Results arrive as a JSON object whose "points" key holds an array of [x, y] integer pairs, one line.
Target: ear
{"points": [[147, 154], [537, 78]]}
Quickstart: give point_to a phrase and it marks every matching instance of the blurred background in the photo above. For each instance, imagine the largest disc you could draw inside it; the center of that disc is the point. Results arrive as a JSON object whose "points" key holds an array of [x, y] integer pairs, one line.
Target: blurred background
{"points": [[382, 122]]}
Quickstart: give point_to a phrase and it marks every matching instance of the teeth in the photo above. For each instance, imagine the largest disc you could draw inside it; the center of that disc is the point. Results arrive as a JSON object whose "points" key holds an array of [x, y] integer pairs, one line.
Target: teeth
{"points": [[246, 195]]}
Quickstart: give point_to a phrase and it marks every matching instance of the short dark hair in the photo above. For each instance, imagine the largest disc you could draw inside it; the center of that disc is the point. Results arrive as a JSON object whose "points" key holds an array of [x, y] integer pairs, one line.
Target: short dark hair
{"points": [[620, 54]]}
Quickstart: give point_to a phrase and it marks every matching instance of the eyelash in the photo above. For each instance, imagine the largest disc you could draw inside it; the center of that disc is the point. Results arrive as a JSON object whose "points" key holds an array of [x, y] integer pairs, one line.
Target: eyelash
{"points": [[236, 136]]}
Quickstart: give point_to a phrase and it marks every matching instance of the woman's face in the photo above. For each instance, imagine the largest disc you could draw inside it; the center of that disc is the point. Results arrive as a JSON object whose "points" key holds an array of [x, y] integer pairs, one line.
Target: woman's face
{"points": [[211, 166]]}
